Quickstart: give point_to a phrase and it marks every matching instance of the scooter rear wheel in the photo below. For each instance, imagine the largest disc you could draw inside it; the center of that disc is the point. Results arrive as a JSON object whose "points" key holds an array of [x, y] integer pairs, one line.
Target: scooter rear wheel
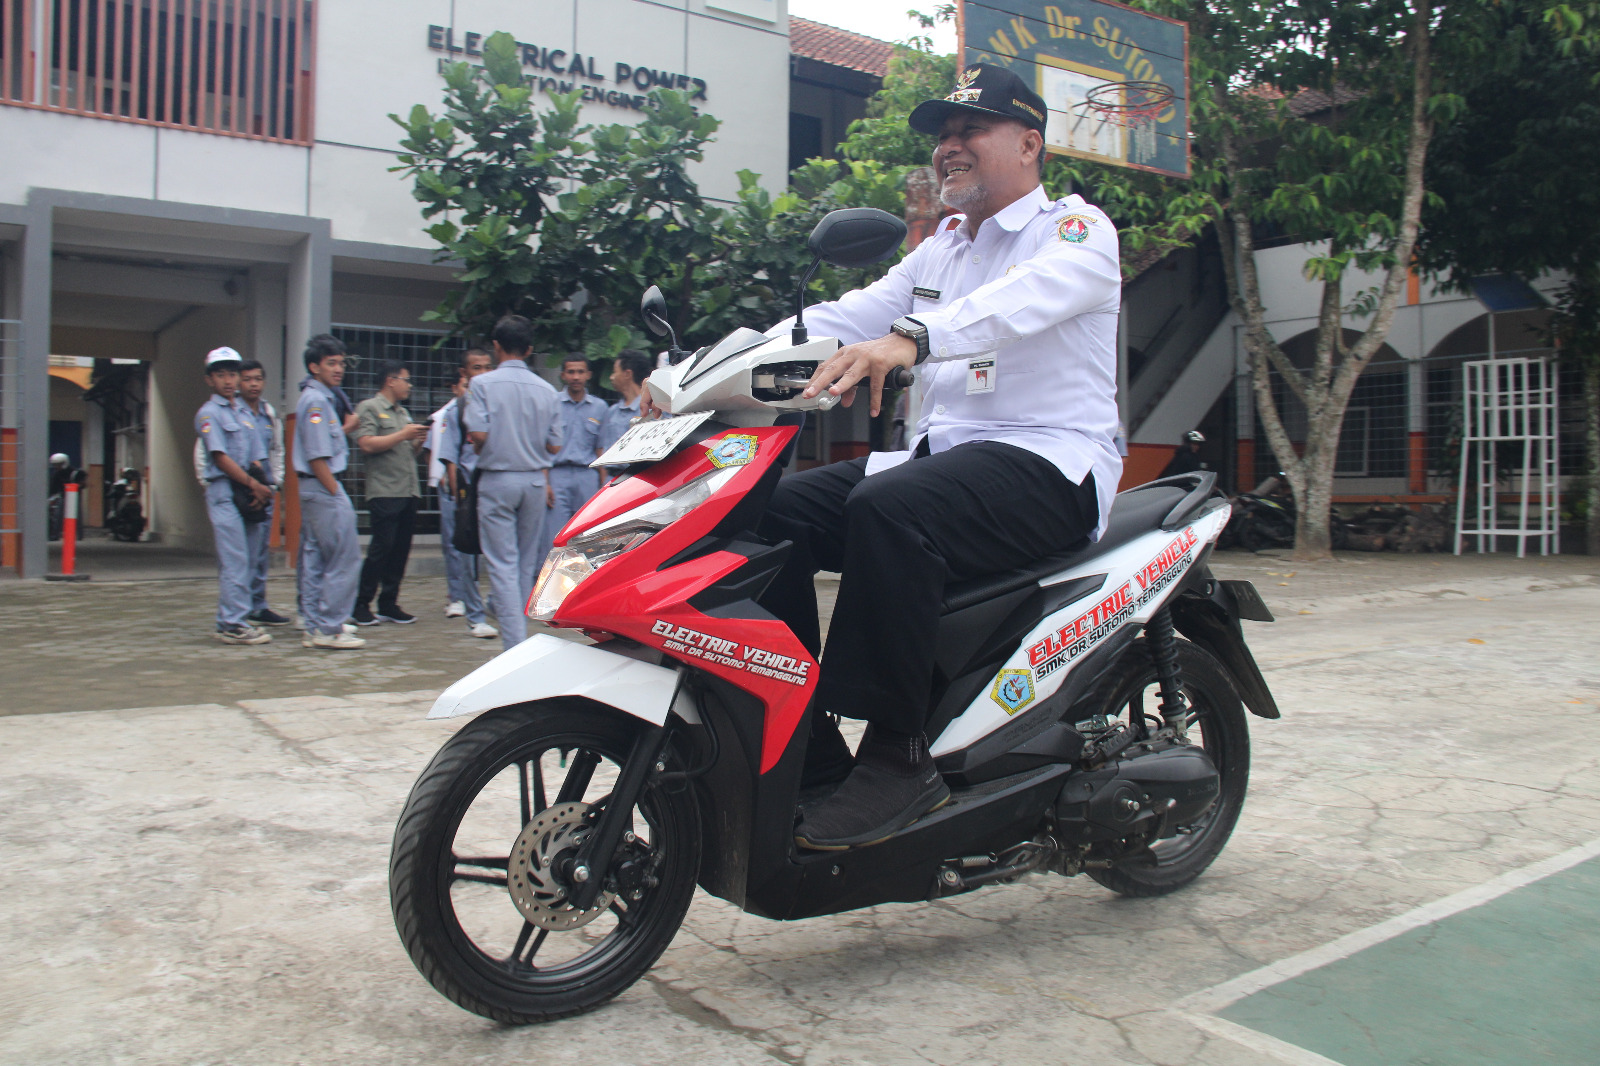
{"points": [[1217, 723], [482, 925]]}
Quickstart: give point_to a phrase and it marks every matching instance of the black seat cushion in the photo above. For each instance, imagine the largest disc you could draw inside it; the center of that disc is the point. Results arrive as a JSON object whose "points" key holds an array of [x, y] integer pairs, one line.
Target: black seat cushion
{"points": [[1133, 513]]}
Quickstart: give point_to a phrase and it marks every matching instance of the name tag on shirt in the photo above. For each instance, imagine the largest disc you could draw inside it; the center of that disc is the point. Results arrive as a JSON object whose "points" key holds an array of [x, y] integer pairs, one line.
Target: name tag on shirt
{"points": [[980, 375], [926, 294]]}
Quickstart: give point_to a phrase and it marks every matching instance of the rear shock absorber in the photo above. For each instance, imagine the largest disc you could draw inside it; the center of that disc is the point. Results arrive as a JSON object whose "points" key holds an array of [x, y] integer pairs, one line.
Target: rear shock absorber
{"points": [[1163, 642]]}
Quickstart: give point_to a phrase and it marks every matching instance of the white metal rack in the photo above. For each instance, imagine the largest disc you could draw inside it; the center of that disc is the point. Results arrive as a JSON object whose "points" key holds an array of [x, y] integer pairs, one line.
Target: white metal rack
{"points": [[1510, 401]]}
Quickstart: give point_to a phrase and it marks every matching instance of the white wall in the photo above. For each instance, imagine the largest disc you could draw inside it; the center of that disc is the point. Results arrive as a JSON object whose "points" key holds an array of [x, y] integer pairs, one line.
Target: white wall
{"points": [[374, 59]]}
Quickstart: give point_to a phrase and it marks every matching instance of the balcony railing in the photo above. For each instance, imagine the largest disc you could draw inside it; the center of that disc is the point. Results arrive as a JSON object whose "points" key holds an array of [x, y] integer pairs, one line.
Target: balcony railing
{"points": [[241, 68]]}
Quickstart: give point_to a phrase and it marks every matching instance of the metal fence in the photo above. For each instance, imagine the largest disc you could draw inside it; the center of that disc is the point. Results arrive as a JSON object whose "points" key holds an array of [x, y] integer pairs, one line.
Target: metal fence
{"points": [[1377, 455], [432, 360], [11, 418]]}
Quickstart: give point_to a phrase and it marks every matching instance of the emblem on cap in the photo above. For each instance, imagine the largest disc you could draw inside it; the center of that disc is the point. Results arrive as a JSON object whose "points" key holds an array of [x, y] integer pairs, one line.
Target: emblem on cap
{"points": [[968, 76]]}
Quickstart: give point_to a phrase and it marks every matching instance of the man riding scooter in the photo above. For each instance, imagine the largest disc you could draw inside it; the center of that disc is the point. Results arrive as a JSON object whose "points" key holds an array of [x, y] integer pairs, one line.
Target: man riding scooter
{"points": [[1009, 315]]}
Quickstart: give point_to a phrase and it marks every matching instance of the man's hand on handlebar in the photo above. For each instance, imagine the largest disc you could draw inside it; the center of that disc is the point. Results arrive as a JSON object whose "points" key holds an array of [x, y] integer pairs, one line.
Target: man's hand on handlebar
{"points": [[869, 360]]}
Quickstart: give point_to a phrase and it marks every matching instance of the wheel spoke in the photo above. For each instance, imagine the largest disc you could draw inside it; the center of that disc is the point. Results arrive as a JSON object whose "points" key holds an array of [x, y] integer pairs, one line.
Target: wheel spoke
{"points": [[523, 791], [578, 776], [538, 785], [480, 863], [522, 954]]}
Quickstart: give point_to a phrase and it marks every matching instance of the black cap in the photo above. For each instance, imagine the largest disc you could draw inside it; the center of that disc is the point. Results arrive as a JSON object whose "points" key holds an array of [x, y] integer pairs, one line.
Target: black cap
{"points": [[987, 90]]}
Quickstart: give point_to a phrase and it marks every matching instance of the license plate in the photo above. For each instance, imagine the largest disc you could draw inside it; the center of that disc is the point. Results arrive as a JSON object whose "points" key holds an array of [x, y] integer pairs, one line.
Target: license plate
{"points": [[650, 441]]}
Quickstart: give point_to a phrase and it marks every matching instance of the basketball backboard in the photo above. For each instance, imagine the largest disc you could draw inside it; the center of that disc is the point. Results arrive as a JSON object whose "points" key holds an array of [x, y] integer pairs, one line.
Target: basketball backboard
{"points": [[1116, 80]]}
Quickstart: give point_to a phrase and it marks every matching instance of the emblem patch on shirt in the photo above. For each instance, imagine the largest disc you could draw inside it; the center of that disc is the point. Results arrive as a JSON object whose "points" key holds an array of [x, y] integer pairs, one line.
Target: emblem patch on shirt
{"points": [[980, 375], [1013, 690], [925, 294], [1074, 229], [734, 450], [315, 415], [205, 424]]}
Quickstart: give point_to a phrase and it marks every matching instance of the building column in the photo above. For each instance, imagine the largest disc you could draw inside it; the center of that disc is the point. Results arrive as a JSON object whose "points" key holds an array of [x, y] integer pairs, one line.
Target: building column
{"points": [[1416, 426], [33, 391], [307, 311]]}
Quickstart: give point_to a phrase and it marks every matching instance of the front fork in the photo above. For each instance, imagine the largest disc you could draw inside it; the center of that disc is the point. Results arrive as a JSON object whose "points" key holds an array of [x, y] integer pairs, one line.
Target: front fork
{"points": [[592, 864]]}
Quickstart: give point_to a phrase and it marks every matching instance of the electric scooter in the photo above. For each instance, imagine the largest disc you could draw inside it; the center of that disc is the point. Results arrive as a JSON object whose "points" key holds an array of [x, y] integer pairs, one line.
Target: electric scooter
{"points": [[655, 739]]}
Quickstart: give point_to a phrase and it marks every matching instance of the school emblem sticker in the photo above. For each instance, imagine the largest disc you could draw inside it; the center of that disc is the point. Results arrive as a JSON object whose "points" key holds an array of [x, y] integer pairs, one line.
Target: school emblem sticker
{"points": [[1074, 229], [736, 449], [1013, 690]]}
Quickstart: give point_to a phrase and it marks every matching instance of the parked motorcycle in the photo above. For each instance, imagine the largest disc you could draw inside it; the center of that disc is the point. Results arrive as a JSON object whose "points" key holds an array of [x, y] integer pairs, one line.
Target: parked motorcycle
{"points": [[1266, 518], [604, 776], [124, 513]]}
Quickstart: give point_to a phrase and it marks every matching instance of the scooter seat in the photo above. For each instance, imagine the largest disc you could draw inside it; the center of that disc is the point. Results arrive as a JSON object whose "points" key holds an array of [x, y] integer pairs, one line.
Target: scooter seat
{"points": [[1133, 514]]}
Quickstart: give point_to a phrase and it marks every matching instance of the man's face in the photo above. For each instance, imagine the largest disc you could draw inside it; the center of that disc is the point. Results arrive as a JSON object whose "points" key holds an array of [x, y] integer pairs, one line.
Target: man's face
{"points": [[477, 363], [252, 383], [620, 377], [575, 375], [224, 383], [330, 371], [458, 387], [978, 157], [400, 386]]}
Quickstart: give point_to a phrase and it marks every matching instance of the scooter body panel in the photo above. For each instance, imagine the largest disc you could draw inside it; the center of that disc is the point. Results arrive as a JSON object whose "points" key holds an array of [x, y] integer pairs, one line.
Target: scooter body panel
{"points": [[1139, 577], [543, 667]]}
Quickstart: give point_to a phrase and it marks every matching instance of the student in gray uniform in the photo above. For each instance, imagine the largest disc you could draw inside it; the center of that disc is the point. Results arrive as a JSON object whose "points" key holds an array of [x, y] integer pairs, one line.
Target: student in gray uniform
{"points": [[511, 419], [459, 460], [572, 479], [330, 554], [252, 383], [628, 371], [232, 443]]}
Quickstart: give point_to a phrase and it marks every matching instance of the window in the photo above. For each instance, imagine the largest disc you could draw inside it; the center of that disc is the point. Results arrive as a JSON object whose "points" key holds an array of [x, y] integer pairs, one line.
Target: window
{"points": [[234, 67]]}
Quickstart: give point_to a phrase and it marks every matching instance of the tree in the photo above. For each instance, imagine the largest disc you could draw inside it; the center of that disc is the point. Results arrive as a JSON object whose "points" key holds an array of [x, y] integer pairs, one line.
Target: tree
{"points": [[1515, 184], [568, 223]]}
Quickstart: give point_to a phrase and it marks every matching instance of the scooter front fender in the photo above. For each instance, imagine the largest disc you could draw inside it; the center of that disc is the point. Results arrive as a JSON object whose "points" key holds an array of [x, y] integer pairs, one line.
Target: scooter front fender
{"points": [[543, 666]]}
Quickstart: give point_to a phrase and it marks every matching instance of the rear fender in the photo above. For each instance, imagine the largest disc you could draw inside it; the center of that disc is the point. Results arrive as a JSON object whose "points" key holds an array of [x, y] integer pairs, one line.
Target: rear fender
{"points": [[544, 666], [1209, 616]]}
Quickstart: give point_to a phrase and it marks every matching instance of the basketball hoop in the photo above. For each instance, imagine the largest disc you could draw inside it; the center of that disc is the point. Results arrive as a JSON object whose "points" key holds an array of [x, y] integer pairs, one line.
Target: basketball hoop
{"points": [[1133, 105]]}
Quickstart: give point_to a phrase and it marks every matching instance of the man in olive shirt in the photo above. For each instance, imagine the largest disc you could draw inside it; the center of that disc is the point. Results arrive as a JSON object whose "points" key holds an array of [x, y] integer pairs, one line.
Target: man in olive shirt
{"points": [[389, 439]]}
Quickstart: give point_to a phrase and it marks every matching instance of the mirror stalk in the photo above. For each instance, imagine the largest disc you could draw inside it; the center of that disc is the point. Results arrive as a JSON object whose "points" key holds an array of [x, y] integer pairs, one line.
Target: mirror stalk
{"points": [[797, 334]]}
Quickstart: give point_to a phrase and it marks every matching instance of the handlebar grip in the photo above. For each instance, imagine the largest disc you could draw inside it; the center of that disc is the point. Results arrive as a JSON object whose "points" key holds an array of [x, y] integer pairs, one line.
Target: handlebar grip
{"points": [[899, 377]]}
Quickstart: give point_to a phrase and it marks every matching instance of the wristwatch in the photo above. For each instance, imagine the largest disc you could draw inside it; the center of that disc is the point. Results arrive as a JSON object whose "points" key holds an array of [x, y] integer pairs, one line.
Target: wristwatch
{"points": [[909, 327]]}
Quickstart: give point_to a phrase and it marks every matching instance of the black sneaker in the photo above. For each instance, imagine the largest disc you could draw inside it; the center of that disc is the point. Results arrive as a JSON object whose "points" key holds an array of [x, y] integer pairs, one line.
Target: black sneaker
{"points": [[396, 614], [363, 616], [874, 803], [267, 617]]}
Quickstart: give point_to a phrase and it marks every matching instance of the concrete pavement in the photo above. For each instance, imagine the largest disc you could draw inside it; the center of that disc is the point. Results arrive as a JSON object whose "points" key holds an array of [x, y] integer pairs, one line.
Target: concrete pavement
{"points": [[205, 883]]}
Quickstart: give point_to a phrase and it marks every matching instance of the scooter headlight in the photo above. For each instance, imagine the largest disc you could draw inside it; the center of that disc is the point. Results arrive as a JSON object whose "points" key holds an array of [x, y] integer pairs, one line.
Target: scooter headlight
{"points": [[566, 568]]}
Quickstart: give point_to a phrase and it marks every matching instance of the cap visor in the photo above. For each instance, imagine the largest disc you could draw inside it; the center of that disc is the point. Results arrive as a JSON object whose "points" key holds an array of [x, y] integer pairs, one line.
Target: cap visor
{"points": [[928, 117]]}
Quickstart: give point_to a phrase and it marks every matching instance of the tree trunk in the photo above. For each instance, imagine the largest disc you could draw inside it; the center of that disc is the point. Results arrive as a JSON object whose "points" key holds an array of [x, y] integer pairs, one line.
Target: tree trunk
{"points": [[1591, 403]]}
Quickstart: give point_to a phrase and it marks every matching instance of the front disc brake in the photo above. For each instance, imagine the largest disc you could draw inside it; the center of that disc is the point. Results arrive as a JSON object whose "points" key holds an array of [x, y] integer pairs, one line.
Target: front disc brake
{"points": [[530, 874]]}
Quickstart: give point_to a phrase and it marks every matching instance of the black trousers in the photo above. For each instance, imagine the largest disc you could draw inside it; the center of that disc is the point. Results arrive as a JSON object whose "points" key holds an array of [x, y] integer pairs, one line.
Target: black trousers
{"points": [[897, 538], [393, 520]]}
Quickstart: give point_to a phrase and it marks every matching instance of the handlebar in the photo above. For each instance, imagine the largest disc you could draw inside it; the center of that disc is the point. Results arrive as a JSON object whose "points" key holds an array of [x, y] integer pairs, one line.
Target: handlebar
{"points": [[899, 377]]}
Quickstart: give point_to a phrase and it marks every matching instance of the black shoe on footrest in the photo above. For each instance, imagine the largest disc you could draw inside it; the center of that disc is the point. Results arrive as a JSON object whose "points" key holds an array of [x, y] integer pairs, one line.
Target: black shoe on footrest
{"points": [[872, 805]]}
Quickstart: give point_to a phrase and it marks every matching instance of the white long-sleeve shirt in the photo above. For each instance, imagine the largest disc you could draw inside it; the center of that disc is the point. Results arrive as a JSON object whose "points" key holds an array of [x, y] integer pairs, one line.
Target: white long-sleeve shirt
{"points": [[1022, 335]]}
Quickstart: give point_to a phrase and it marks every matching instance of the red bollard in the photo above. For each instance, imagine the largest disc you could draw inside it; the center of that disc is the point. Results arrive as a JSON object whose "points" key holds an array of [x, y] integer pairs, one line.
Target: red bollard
{"points": [[69, 538]]}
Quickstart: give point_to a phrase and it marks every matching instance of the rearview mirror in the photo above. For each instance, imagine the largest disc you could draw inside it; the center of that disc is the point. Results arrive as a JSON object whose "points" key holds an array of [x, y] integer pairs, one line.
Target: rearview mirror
{"points": [[856, 237], [654, 309]]}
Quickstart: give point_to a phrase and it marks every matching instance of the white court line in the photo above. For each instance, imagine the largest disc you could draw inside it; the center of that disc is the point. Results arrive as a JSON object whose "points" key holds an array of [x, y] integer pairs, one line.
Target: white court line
{"points": [[1216, 998], [1277, 1050]]}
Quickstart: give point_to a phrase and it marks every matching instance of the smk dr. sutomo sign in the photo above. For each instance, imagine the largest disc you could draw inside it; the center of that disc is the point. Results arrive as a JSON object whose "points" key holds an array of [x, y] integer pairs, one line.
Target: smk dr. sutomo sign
{"points": [[558, 70]]}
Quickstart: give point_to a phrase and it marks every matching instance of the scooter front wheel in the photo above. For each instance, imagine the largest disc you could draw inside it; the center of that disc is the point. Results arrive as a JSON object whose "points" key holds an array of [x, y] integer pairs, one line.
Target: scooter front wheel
{"points": [[483, 851]]}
